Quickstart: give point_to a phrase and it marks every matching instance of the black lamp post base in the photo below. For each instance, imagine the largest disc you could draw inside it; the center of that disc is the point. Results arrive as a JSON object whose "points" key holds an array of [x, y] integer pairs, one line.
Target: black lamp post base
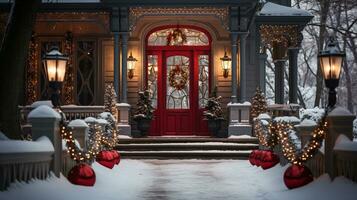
{"points": [[55, 93]]}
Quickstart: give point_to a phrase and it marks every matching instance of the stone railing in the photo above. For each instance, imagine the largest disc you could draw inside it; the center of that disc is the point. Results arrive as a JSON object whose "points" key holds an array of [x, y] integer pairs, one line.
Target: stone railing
{"points": [[284, 110], [338, 154], [239, 119], [71, 111], [32, 161]]}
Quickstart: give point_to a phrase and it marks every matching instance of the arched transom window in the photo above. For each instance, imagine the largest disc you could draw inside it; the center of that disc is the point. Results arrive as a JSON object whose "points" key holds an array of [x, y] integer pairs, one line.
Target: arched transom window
{"points": [[177, 36]]}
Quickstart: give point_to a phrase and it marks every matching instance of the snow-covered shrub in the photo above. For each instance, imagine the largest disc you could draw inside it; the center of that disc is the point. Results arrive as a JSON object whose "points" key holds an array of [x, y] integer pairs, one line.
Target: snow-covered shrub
{"points": [[314, 114], [355, 128]]}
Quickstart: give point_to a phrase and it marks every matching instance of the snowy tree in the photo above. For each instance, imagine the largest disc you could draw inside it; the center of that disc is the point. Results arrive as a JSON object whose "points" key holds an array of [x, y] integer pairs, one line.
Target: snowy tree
{"points": [[259, 104], [110, 99]]}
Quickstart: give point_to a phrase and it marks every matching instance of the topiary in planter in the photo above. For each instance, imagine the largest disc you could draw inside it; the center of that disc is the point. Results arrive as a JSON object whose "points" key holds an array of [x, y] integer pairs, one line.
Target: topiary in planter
{"points": [[214, 114], [144, 113]]}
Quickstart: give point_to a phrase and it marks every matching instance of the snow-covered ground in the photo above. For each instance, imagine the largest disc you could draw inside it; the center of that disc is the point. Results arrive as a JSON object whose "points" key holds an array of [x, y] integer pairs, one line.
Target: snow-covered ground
{"points": [[183, 179]]}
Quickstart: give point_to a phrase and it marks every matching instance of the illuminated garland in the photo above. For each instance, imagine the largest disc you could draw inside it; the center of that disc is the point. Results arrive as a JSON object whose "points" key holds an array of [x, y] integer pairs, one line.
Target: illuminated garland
{"points": [[178, 78], [266, 134], [279, 133], [288, 35], [289, 148], [77, 154], [31, 71], [109, 137], [68, 89]]}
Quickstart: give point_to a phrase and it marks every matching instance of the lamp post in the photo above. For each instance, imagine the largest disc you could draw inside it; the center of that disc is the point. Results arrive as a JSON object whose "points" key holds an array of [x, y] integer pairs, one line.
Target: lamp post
{"points": [[226, 64], [330, 62], [131, 65], [55, 63]]}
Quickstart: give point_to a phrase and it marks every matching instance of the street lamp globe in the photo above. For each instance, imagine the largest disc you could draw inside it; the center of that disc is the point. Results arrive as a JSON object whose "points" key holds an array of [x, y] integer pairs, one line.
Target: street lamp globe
{"points": [[331, 62], [55, 63]]}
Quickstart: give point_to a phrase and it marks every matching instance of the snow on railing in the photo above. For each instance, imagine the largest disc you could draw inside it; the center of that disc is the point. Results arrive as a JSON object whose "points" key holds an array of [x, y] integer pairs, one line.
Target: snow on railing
{"points": [[345, 151], [24, 160]]}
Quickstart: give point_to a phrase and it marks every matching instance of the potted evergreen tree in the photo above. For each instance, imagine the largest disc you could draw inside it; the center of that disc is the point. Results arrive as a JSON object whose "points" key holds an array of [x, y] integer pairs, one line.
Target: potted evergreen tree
{"points": [[144, 113], [214, 114]]}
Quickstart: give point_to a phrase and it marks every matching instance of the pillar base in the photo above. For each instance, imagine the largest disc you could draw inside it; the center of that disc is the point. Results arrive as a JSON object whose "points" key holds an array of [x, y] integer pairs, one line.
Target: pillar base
{"points": [[239, 119], [123, 120]]}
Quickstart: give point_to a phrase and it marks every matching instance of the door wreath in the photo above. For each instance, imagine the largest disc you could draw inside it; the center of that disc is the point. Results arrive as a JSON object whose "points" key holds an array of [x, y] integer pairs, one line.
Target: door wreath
{"points": [[178, 77]]}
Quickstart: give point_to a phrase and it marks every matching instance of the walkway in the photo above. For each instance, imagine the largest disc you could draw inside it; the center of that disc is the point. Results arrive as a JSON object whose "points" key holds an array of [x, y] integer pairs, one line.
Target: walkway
{"points": [[181, 180]]}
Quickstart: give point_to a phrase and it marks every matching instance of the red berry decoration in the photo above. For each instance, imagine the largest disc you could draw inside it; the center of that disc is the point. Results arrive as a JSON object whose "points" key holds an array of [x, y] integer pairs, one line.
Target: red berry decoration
{"points": [[106, 159], [116, 156], [269, 159], [296, 176], [82, 174]]}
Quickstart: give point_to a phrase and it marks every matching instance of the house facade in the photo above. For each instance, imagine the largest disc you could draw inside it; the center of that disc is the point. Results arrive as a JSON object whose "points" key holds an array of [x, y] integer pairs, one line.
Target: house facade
{"points": [[177, 45]]}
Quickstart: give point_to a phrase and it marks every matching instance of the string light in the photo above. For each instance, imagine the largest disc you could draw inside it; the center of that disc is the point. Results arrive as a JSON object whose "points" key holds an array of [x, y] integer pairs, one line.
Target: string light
{"points": [[288, 35], [99, 140], [279, 133]]}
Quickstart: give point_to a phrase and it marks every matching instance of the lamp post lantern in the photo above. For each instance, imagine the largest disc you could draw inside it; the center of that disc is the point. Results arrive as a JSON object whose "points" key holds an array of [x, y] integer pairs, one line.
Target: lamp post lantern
{"points": [[331, 62], [55, 63], [131, 65], [226, 64]]}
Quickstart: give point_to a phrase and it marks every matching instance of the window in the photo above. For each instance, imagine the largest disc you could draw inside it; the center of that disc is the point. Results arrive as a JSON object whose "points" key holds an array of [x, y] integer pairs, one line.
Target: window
{"points": [[192, 37]]}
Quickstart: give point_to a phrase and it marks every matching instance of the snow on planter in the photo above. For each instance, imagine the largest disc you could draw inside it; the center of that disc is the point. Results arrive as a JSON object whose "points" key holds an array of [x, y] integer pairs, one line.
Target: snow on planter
{"points": [[44, 111]]}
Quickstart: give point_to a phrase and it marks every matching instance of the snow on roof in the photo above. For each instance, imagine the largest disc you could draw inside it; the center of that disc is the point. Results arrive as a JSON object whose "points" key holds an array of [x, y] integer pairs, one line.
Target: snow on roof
{"points": [[42, 144], [343, 143], [78, 123], [40, 103], [44, 111], [272, 9]]}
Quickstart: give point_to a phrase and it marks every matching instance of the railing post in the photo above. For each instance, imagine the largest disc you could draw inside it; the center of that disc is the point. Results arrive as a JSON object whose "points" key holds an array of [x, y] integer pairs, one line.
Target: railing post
{"points": [[304, 130], [80, 128], [45, 122], [340, 121], [123, 120]]}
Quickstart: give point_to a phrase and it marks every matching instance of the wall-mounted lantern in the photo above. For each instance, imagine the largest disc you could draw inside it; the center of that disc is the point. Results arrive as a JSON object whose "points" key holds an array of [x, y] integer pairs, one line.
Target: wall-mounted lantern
{"points": [[226, 64], [331, 62], [131, 65], [55, 63]]}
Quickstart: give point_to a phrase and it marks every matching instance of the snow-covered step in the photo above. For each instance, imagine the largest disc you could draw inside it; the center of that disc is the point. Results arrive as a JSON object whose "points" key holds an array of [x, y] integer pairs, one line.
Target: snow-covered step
{"points": [[206, 154], [151, 140], [186, 146]]}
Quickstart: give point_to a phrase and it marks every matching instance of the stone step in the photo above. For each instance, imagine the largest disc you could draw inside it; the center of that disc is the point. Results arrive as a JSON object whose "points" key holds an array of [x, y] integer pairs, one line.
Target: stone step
{"points": [[184, 154], [151, 140], [186, 146]]}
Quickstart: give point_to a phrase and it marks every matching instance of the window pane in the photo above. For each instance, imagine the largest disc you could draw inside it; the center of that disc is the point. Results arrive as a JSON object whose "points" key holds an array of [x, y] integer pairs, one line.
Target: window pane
{"points": [[203, 80], [178, 82], [193, 37], [152, 78]]}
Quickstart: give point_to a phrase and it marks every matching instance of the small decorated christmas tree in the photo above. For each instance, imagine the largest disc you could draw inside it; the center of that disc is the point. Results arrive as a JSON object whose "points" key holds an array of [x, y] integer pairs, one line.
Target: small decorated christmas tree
{"points": [[259, 104], [110, 99], [213, 107], [144, 109]]}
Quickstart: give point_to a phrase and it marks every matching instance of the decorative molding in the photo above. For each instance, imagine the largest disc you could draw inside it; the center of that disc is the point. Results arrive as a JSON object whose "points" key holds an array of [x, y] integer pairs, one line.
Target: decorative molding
{"points": [[286, 35], [221, 13]]}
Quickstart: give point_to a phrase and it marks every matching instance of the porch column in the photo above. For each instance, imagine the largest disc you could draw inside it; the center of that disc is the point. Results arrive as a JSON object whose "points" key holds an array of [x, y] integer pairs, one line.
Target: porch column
{"points": [[293, 72], [234, 38], [116, 63], [279, 81], [242, 67], [124, 51], [262, 61]]}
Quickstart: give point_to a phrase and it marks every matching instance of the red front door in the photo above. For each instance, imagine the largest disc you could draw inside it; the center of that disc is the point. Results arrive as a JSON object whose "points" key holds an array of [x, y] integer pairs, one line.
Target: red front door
{"points": [[179, 79]]}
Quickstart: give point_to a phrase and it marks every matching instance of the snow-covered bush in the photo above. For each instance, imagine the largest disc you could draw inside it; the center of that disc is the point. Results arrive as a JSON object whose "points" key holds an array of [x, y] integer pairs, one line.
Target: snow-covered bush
{"points": [[355, 128], [314, 114]]}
